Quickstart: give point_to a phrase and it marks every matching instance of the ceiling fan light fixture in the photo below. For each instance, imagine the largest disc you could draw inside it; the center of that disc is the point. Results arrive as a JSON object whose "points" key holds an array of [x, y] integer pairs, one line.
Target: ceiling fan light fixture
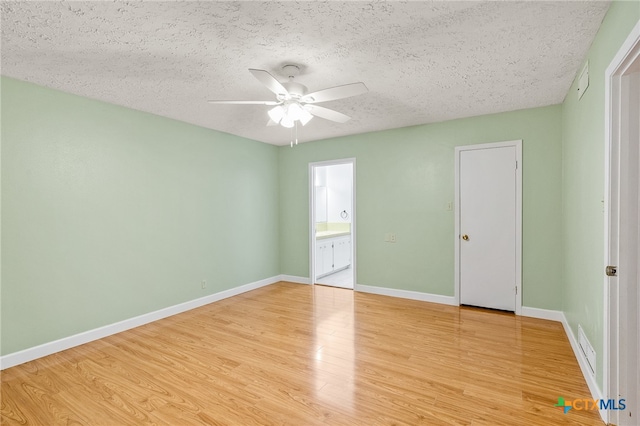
{"points": [[294, 111], [276, 113], [305, 117], [287, 122]]}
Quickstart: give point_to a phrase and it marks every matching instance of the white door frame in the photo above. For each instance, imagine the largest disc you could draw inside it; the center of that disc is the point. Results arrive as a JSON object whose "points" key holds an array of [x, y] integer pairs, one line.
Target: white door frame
{"points": [[628, 52], [518, 145], [312, 215]]}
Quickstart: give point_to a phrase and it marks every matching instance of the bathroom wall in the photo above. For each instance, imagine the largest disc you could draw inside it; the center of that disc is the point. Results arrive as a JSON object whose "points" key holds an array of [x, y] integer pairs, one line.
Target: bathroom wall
{"points": [[339, 190]]}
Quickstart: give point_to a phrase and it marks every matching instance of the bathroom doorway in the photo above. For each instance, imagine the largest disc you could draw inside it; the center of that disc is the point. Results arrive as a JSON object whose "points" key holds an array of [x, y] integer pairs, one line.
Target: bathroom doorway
{"points": [[332, 223]]}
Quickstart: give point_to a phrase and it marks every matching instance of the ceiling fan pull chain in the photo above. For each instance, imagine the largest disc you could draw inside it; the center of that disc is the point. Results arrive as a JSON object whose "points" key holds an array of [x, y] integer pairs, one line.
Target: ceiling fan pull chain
{"points": [[296, 133], [291, 138]]}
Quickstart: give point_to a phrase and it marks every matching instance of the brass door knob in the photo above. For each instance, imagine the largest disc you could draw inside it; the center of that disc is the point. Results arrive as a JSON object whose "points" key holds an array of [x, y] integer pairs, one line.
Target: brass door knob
{"points": [[465, 237]]}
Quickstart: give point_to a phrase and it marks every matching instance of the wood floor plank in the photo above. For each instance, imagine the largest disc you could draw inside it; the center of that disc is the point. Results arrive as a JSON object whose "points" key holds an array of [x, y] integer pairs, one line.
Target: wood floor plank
{"points": [[291, 354]]}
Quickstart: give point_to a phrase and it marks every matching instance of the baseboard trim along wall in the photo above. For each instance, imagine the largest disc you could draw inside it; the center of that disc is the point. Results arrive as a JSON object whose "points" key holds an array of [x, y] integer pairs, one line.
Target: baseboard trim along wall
{"points": [[596, 393], [49, 348], [407, 294], [294, 279], [546, 314]]}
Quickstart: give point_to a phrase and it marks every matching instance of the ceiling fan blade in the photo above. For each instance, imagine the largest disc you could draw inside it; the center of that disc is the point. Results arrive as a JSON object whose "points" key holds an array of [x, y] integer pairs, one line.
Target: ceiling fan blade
{"points": [[246, 102], [269, 81], [271, 123], [333, 93], [327, 114]]}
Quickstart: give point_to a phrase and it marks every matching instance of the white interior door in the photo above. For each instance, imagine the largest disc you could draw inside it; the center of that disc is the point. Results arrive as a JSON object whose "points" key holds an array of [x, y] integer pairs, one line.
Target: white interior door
{"points": [[629, 240], [488, 212], [622, 380]]}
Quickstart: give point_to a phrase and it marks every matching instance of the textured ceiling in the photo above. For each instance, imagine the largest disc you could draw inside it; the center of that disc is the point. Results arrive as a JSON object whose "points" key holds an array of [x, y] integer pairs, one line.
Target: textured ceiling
{"points": [[423, 62]]}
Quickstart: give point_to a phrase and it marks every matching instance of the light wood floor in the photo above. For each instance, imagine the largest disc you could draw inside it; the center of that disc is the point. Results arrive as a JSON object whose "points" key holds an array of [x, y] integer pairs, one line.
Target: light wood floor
{"points": [[304, 355]]}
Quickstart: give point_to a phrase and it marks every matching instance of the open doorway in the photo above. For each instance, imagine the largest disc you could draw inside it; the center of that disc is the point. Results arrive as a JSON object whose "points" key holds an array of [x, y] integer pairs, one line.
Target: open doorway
{"points": [[332, 222]]}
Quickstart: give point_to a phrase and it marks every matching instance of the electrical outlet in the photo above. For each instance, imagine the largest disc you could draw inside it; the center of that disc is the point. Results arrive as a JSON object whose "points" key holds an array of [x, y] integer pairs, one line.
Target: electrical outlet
{"points": [[392, 237], [204, 284], [449, 206]]}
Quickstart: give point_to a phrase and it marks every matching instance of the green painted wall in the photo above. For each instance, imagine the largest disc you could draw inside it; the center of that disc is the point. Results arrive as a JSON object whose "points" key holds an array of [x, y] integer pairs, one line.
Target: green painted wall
{"points": [[583, 183], [404, 180], [109, 213]]}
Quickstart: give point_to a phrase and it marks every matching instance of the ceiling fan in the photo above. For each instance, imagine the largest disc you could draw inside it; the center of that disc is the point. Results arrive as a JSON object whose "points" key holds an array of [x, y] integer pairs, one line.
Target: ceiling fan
{"points": [[293, 102]]}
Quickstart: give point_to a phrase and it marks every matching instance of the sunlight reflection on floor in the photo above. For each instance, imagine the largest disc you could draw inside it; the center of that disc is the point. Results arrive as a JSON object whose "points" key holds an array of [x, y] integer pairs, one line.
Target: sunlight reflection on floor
{"points": [[334, 361]]}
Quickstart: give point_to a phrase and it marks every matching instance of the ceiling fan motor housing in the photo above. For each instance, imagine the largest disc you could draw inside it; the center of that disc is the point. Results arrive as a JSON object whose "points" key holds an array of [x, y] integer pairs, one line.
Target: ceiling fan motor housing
{"points": [[296, 90]]}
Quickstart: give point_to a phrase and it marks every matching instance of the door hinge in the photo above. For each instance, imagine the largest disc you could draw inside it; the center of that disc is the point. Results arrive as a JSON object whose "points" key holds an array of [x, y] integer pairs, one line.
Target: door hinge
{"points": [[516, 290], [516, 165], [611, 271]]}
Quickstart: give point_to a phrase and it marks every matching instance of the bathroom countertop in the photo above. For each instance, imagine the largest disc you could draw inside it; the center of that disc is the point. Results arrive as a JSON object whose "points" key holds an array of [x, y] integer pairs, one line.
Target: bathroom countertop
{"points": [[330, 234]]}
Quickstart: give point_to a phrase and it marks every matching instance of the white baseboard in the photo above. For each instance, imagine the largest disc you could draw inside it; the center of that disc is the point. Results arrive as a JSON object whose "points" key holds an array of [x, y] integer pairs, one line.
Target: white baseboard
{"points": [[49, 348], [546, 314], [596, 393], [407, 294], [294, 279]]}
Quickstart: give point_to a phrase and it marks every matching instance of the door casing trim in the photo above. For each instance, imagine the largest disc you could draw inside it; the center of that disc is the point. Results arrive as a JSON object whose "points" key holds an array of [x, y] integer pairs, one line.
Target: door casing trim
{"points": [[518, 146]]}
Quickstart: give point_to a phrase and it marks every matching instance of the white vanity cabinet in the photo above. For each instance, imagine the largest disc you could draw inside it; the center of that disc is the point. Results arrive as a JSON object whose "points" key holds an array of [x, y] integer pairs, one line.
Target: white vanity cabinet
{"points": [[324, 257], [332, 254], [341, 252]]}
